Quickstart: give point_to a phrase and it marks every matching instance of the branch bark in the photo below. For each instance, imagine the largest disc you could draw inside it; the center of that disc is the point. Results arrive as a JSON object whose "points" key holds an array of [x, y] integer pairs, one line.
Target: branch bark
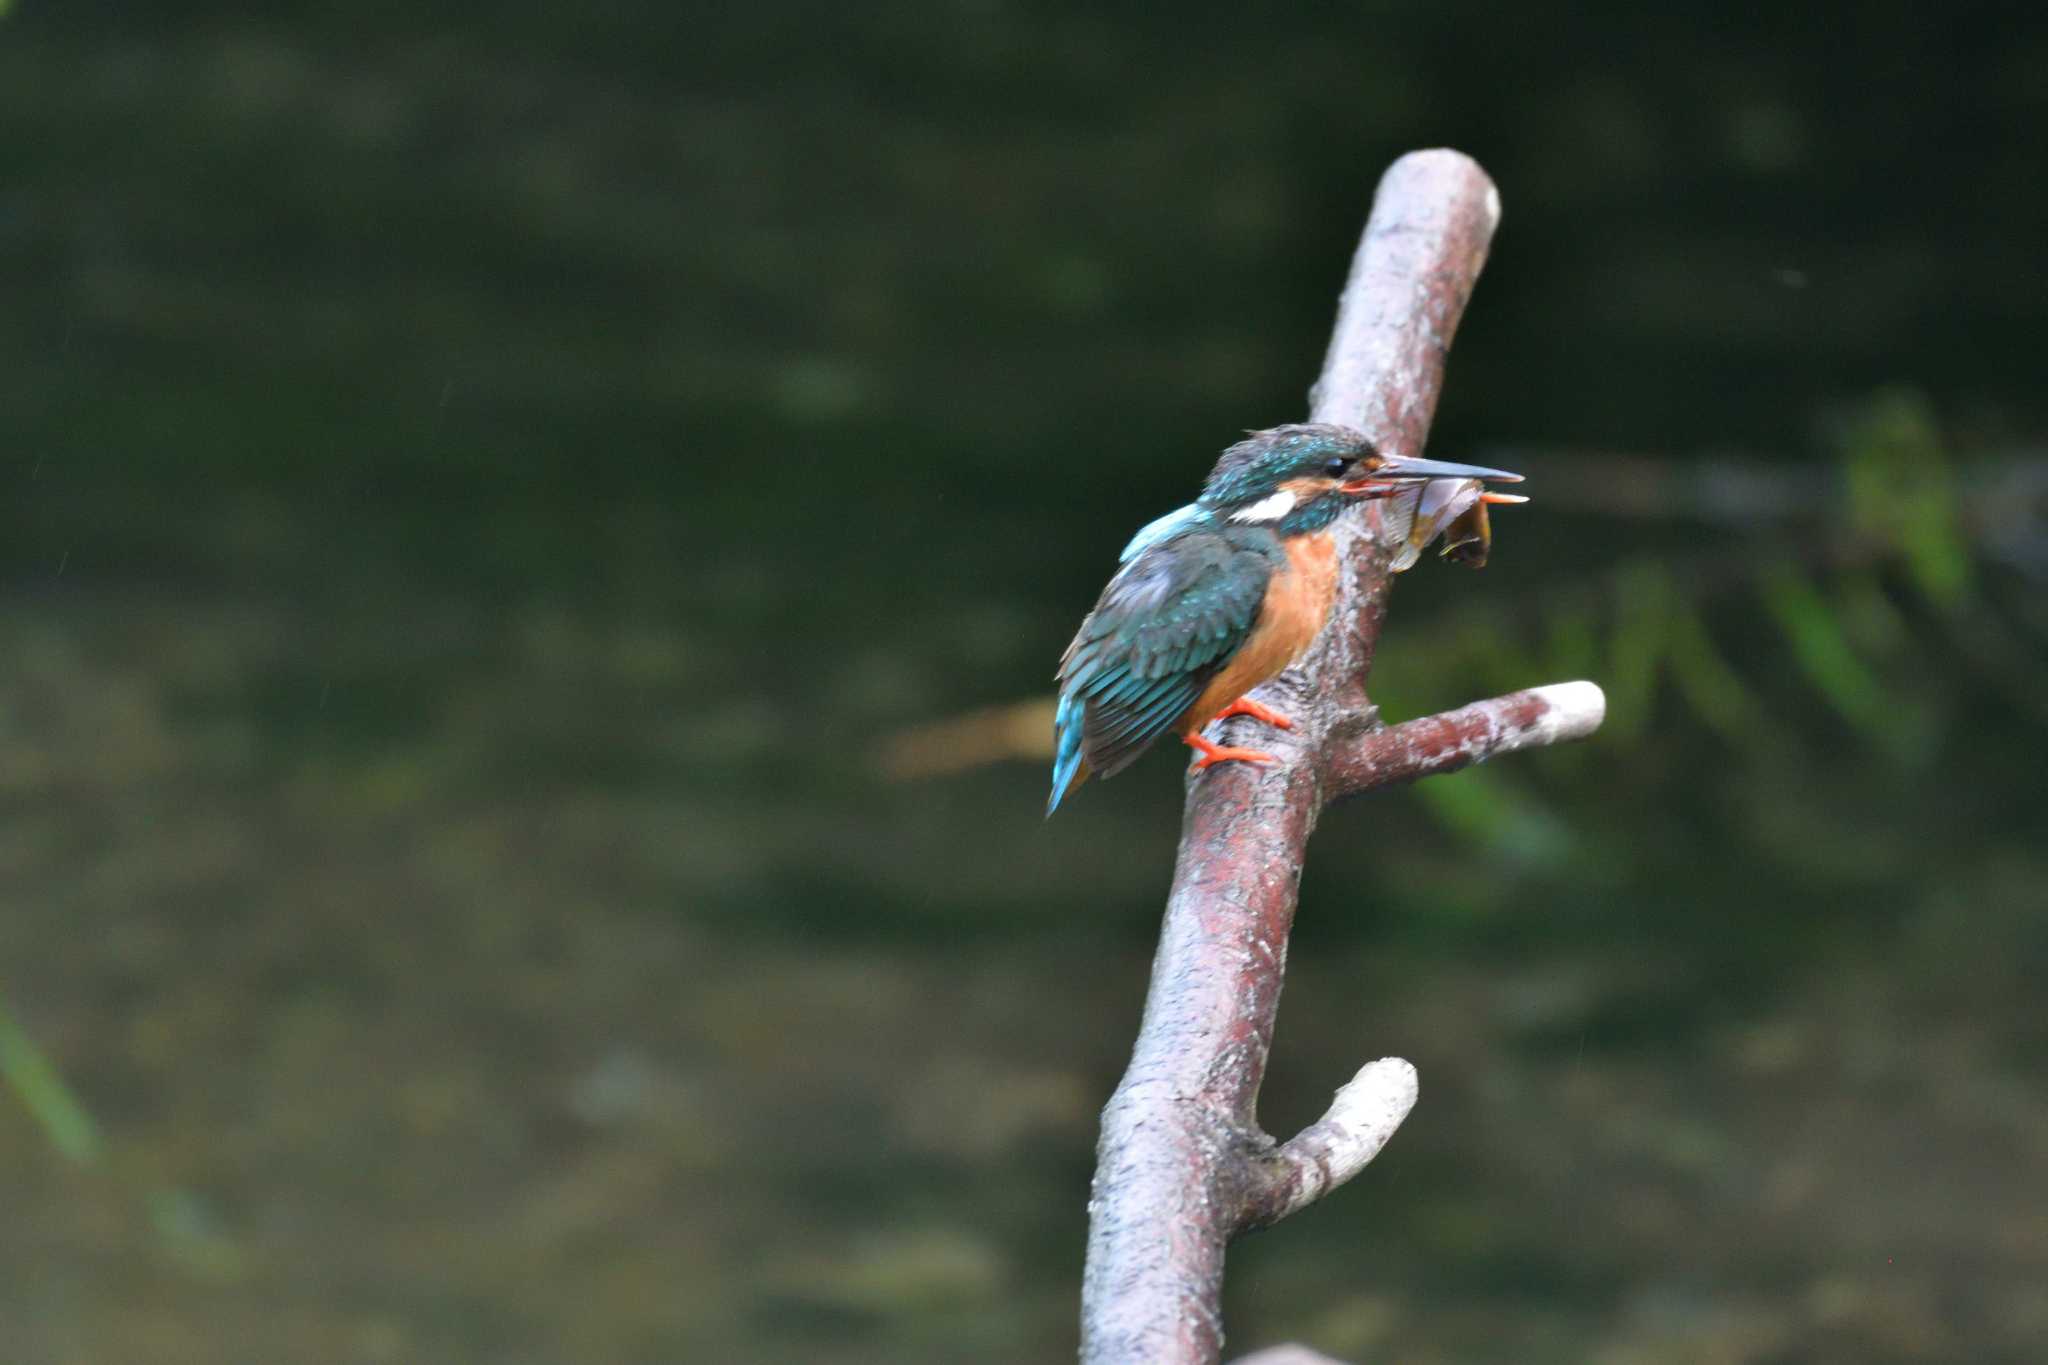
{"points": [[1182, 1166]]}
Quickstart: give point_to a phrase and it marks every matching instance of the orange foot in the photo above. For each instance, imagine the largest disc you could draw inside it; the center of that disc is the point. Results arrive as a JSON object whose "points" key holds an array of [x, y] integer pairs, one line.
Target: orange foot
{"points": [[1245, 706], [1224, 753]]}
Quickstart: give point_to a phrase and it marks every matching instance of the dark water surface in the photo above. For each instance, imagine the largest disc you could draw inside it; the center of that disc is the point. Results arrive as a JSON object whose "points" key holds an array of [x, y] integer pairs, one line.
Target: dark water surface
{"points": [[482, 484]]}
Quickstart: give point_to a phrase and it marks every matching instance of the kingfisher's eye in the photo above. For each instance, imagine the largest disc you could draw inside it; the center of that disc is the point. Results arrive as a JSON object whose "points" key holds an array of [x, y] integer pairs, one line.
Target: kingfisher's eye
{"points": [[1335, 465]]}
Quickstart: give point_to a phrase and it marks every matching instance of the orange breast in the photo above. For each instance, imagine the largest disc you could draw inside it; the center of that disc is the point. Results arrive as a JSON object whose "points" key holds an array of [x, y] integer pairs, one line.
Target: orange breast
{"points": [[1297, 603]]}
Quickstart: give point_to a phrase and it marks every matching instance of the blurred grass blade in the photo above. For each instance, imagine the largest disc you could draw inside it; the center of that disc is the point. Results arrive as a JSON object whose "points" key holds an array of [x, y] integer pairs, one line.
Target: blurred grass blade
{"points": [[1485, 809], [1869, 617], [1500, 653], [1903, 489], [190, 1232], [1997, 655], [1710, 684], [1571, 646], [1821, 648], [1643, 597], [30, 1075]]}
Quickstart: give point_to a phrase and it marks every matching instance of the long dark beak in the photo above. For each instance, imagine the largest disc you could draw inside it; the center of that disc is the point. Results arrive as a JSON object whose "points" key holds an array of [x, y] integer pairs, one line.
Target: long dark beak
{"points": [[1400, 467], [1398, 472]]}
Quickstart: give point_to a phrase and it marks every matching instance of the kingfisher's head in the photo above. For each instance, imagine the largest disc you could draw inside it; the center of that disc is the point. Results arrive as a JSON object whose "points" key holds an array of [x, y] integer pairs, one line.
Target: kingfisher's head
{"points": [[1298, 478]]}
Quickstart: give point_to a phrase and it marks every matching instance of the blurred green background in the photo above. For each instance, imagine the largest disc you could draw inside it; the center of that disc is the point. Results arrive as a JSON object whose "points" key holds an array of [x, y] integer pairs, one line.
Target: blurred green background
{"points": [[486, 487]]}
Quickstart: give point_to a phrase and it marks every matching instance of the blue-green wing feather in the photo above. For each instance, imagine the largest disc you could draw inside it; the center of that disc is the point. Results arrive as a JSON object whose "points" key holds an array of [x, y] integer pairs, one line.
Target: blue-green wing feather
{"points": [[1165, 624], [1162, 528]]}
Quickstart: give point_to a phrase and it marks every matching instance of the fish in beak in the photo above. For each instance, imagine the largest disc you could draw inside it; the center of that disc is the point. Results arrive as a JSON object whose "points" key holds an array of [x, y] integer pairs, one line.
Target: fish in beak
{"points": [[1455, 510]]}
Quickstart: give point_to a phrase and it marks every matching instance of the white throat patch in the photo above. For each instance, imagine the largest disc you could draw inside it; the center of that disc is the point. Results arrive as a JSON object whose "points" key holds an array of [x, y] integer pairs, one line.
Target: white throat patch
{"points": [[1267, 509]]}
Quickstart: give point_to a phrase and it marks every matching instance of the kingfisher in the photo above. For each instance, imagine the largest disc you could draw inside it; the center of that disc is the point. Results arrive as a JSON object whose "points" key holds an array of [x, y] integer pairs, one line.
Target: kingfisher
{"points": [[1222, 595]]}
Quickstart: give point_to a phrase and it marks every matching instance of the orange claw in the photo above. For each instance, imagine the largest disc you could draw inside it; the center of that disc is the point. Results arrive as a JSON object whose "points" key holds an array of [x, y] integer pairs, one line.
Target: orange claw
{"points": [[1245, 706], [1224, 753]]}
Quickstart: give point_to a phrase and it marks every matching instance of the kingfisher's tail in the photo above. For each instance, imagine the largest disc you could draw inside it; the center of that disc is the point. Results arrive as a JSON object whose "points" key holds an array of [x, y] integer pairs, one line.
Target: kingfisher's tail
{"points": [[1069, 770]]}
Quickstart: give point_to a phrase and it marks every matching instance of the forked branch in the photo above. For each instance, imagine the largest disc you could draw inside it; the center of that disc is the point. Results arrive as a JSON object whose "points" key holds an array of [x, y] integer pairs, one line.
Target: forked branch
{"points": [[1182, 1165]]}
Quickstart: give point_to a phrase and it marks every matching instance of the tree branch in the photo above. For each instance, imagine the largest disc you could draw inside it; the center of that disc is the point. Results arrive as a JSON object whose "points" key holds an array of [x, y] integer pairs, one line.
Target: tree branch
{"points": [[1450, 740], [1182, 1165], [1335, 1147], [1286, 1355]]}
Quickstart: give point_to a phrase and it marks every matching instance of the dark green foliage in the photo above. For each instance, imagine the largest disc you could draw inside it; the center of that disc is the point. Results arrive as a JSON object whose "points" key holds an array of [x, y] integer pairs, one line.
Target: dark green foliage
{"points": [[1863, 601]]}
